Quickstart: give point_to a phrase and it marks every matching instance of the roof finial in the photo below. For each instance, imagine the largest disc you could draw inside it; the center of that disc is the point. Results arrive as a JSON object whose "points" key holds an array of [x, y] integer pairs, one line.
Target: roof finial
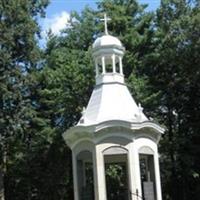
{"points": [[105, 20]]}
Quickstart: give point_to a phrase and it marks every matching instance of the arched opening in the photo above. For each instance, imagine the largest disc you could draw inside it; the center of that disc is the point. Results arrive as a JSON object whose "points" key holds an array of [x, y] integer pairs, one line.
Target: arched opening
{"points": [[117, 64], [109, 64], [99, 68], [147, 173], [116, 173], [85, 175]]}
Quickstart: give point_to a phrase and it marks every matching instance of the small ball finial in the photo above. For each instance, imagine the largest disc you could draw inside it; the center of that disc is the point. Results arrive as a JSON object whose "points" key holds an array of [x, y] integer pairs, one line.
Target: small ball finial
{"points": [[105, 20]]}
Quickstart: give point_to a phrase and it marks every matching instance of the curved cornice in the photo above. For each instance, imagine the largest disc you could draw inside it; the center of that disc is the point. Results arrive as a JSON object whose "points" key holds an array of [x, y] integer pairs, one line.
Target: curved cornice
{"points": [[80, 131]]}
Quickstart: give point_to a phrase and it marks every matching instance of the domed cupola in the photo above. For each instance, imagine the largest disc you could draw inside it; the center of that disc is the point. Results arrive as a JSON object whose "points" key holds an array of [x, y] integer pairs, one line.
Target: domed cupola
{"points": [[108, 52], [111, 99], [107, 41]]}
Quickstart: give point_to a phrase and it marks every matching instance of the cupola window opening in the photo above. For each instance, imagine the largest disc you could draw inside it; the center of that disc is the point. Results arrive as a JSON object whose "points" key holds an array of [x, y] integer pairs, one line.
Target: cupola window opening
{"points": [[117, 65], [98, 65], [109, 64]]}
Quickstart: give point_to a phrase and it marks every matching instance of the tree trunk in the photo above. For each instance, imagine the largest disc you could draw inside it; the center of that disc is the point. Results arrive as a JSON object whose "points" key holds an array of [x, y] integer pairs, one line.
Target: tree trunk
{"points": [[1, 185], [3, 170]]}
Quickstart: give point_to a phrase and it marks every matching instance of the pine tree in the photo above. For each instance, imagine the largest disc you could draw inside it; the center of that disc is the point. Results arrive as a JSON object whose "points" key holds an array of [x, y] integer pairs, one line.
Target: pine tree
{"points": [[173, 70], [19, 54]]}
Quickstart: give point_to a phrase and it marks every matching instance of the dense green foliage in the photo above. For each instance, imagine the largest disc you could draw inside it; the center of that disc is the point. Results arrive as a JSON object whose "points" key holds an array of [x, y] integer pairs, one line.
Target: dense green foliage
{"points": [[19, 55], [173, 71], [43, 93]]}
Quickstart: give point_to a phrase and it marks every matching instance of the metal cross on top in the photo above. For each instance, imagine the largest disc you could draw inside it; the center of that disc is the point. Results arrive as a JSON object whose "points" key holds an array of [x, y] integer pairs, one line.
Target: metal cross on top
{"points": [[105, 20]]}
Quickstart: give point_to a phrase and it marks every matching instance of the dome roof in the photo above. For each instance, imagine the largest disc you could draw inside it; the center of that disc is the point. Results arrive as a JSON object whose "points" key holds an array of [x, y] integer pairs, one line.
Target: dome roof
{"points": [[106, 40]]}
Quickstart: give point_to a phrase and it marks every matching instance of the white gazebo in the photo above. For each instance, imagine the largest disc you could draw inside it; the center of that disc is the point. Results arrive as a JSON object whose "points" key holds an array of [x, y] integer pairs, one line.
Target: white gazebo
{"points": [[114, 145]]}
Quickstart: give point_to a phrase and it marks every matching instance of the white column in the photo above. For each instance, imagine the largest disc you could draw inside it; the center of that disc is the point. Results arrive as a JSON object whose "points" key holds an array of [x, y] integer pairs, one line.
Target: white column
{"points": [[113, 63], [132, 170], [157, 176], [136, 173], [96, 67], [103, 65], [100, 176], [74, 162], [120, 65], [95, 175]]}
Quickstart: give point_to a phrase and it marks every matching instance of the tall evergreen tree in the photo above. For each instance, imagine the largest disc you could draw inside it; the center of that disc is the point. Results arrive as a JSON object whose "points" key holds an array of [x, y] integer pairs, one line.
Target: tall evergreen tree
{"points": [[173, 70], [19, 54]]}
